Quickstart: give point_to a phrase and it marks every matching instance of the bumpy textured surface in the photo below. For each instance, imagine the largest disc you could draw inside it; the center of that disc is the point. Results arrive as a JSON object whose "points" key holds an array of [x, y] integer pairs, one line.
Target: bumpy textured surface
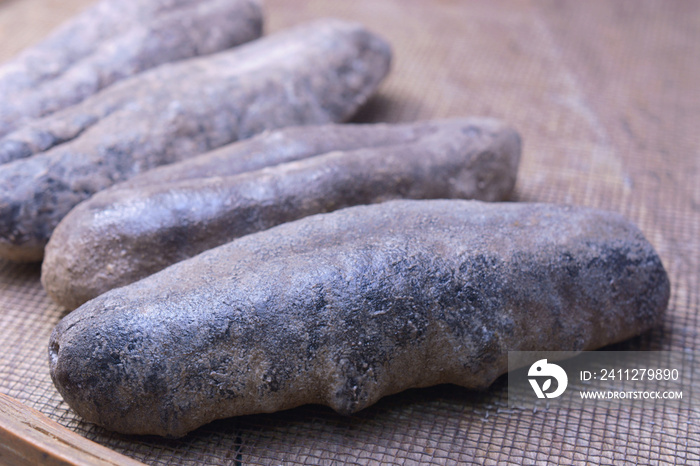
{"points": [[109, 42], [110, 240], [316, 73], [285, 145], [346, 307], [604, 95]]}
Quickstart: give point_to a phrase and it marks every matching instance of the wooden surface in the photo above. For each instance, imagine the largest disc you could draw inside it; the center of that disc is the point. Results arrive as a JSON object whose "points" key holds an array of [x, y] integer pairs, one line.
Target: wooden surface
{"points": [[27, 437], [606, 95]]}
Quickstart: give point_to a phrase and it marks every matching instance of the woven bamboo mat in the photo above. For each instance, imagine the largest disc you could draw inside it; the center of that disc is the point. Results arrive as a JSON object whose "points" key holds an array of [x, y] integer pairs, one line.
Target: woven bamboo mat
{"points": [[607, 98]]}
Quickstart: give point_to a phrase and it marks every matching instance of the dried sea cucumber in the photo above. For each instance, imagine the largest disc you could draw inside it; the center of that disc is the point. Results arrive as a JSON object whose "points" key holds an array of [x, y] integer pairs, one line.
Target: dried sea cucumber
{"points": [[107, 43], [121, 235], [312, 74], [347, 307]]}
